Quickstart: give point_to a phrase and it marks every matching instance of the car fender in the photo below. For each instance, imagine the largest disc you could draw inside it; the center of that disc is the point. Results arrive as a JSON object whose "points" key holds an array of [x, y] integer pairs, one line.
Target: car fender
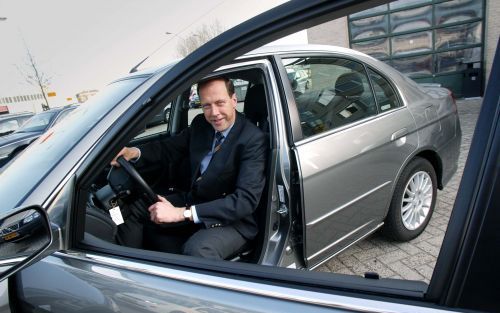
{"points": [[430, 154]]}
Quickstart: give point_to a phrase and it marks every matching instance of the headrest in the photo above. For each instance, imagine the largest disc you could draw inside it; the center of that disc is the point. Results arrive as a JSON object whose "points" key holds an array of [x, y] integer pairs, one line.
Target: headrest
{"points": [[349, 84], [292, 80], [255, 104]]}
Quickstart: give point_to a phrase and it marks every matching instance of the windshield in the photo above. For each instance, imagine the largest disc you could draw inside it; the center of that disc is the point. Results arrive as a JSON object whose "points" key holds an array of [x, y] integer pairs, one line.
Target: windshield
{"points": [[25, 173], [37, 123]]}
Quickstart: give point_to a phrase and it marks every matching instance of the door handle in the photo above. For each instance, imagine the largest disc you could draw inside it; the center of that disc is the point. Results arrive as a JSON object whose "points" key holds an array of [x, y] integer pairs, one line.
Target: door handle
{"points": [[400, 133]]}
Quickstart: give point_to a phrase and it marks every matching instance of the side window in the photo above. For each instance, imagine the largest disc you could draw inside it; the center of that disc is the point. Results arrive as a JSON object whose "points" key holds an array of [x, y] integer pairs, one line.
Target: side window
{"points": [[157, 124], [329, 92], [386, 97], [8, 126], [194, 104]]}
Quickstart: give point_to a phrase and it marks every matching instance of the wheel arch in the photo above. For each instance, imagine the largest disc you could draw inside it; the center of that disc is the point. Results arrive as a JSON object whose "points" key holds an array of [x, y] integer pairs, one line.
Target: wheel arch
{"points": [[427, 154], [436, 163]]}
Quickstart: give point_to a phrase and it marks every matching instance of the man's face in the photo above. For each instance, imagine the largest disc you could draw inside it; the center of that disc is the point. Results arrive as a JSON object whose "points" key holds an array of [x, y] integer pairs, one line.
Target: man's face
{"points": [[218, 107]]}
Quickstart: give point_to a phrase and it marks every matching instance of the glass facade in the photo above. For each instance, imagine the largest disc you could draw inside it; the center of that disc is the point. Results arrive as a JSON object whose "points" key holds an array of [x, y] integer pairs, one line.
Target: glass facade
{"points": [[426, 39]]}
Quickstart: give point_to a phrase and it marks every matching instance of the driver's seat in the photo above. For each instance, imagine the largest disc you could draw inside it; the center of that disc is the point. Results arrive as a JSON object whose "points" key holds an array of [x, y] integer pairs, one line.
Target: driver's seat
{"points": [[100, 224]]}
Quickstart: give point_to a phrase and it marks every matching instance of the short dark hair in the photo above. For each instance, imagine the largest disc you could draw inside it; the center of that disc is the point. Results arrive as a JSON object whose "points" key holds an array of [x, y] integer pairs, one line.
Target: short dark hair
{"points": [[229, 84]]}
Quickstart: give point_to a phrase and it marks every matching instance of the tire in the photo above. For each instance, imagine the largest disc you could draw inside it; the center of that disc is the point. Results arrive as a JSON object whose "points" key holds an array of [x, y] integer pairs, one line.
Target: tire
{"points": [[407, 219]]}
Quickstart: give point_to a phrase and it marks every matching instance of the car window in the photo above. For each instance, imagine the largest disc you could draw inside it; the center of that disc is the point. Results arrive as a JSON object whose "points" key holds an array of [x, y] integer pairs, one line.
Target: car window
{"points": [[37, 123], [337, 93], [386, 97], [158, 123], [8, 126]]}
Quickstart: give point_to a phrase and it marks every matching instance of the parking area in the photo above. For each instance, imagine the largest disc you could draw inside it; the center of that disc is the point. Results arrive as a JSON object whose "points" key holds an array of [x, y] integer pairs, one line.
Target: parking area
{"points": [[413, 260]]}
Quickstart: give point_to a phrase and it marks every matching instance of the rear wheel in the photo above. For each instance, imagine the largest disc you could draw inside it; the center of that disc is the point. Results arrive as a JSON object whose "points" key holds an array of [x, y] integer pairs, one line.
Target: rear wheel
{"points": [[413, 201]]}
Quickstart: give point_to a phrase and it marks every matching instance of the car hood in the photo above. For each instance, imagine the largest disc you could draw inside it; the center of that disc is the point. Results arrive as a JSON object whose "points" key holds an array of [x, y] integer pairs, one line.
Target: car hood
{"points": [[14, 137]]}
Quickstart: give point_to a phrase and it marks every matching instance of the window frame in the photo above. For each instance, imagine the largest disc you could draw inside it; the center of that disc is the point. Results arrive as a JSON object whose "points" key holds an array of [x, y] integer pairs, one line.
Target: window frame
{"points": [[391, 85]]}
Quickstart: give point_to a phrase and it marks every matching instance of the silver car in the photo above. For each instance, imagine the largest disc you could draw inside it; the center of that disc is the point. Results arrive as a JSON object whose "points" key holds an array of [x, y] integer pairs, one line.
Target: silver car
{"points": [[364, 148]]}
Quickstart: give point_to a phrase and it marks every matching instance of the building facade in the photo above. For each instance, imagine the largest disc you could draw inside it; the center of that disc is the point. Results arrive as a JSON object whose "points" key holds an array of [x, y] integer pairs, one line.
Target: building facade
{"points": [[85, 95], [22, 103], [450, 42]]}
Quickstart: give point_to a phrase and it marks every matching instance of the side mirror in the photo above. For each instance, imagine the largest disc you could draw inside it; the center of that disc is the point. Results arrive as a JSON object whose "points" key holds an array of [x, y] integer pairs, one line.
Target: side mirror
{"points": [[24, 235]]}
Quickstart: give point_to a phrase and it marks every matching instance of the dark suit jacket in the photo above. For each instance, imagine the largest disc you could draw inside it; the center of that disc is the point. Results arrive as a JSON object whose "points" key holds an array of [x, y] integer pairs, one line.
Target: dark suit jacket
{"points": [[229, 190]]}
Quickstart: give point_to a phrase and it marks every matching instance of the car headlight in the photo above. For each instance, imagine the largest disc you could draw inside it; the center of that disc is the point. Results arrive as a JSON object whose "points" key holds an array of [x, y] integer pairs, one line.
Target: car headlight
{"points": [[31, 217]]}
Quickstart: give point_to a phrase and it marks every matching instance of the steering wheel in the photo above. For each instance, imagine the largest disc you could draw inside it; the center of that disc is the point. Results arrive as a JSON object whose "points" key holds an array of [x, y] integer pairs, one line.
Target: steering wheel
{"points": [[145, 190]]}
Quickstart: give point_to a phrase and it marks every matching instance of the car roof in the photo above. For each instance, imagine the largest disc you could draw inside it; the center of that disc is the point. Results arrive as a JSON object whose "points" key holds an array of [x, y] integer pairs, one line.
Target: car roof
{"points": [[57, 109], [264, 51], [289, 49]]}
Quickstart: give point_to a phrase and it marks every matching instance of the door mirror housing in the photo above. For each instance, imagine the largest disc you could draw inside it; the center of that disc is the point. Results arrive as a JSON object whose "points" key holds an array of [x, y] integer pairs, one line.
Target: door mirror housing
{"points": [[24, 235]]}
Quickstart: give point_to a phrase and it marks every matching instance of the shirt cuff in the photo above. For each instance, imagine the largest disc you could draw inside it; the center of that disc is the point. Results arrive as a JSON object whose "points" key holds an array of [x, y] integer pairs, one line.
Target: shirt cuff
{"points": [[196, 220], [136, 159]]}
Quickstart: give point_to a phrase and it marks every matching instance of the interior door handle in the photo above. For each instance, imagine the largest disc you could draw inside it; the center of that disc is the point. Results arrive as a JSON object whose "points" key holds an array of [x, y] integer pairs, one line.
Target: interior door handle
{"points": [[400, 133]]}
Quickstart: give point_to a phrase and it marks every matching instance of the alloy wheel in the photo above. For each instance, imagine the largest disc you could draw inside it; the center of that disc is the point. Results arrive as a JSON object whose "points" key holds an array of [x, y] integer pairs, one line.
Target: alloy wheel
{"points": [[417, 200]]}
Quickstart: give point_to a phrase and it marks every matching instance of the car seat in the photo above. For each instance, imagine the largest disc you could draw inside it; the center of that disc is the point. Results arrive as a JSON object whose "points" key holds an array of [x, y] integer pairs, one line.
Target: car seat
{"points": [[255, 108]]}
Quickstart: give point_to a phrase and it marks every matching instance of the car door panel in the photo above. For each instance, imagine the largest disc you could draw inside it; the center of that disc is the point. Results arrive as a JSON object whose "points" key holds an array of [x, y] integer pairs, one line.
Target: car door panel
{"points": [[347, 178], [83, 283]]}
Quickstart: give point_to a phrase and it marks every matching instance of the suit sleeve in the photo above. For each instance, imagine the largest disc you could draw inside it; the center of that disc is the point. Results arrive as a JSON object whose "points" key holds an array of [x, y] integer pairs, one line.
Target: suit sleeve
{"points": [[169, 150], [249, 185]]}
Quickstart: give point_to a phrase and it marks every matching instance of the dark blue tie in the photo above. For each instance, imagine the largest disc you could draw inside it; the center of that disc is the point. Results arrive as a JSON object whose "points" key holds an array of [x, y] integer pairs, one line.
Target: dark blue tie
{"points": [[218, 141]]}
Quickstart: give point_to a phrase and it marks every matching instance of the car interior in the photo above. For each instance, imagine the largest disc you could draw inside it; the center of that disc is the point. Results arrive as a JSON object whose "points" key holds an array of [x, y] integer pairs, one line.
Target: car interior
{"points": [[113, 186], [331, 104]]}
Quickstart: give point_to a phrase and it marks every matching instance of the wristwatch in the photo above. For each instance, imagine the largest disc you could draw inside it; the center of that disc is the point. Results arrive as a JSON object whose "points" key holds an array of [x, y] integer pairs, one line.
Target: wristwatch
{"points": [[188, 214]]}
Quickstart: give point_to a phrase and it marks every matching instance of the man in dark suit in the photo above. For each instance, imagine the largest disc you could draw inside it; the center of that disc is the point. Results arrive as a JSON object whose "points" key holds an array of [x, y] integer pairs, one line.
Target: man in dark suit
{"points": [[227, 156]]}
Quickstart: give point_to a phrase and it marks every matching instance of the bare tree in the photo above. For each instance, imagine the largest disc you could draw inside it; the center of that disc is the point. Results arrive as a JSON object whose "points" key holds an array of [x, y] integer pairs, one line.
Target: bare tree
{"points": [[199, 37], [35, 77]]}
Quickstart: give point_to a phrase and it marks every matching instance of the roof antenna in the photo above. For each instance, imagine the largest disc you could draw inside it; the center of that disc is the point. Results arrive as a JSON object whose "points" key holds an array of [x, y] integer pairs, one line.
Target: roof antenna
{"points": [[134, 69]]}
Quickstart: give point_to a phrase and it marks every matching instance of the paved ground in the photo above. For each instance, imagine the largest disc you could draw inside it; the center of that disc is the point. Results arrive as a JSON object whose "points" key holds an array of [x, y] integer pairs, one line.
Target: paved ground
{"points": [[415, 259]]}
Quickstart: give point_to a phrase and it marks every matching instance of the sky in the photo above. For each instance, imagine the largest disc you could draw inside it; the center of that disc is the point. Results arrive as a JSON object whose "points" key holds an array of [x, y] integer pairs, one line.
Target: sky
{"points": [[84, 45]]}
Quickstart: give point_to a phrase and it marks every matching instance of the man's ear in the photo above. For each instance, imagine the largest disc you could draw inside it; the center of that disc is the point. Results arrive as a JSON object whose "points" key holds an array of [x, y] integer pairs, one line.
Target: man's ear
{"points": [[234, 99]]}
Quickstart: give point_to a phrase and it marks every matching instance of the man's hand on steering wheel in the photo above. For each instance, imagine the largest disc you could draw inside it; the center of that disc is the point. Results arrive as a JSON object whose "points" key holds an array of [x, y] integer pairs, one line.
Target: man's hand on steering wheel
{"points": [[147, 193], [164, 212], [128, 154]]}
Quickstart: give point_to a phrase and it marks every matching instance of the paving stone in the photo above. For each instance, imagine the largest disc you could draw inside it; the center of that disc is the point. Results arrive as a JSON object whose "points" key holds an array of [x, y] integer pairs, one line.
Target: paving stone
{"points": [[349, 261], [426, 271], [393, 256], [365, 244], [418, 259], [384, 244], [335, 265], [436, 241], [404, 271], [433, 230], [346, 271], [409, 248], [381, 269], [396, 277], [323, 268], [443, 227], [427, 247], [368, 254], [422, 237]]}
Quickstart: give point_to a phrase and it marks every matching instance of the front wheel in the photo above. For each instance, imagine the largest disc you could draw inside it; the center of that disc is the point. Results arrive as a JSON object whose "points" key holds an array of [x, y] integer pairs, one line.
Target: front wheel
{"points": [[413, 201]]}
